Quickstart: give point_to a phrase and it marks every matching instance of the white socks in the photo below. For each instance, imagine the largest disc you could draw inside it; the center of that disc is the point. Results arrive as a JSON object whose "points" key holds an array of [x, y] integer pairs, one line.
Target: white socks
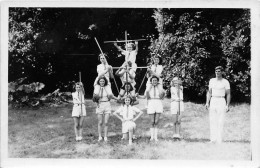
{"points": [[155, 134], [152, 133]]}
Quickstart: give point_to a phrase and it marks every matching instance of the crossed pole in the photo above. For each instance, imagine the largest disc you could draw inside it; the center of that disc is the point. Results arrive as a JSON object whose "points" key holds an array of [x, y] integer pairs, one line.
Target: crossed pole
{"points": [[126, 42], [103, 54]]}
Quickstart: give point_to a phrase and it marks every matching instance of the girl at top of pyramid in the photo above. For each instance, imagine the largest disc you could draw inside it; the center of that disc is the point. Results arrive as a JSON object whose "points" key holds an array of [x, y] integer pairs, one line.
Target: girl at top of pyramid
{"points": [[130, 52]]}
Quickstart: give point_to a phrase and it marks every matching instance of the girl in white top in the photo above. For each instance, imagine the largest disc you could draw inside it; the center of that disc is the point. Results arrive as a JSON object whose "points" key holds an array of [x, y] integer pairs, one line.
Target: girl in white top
{"points": [[127, 75], [129, 53], [155, 70], [154, 94], [103, 69], [103, 109], [79, 110], [128, 116], [177, 106]]}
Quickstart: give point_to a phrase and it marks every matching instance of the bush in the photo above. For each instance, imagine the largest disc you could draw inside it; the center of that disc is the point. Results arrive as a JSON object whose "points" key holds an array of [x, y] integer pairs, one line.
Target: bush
{"points": [[21, 94]]}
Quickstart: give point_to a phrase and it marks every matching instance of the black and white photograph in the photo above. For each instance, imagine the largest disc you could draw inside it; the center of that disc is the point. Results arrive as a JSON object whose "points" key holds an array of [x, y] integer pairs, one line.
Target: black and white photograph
{"points": [[164, 81]]}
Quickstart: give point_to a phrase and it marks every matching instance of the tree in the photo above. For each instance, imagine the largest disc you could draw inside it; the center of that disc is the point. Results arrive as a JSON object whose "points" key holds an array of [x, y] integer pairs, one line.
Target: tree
{"points": [[194, 41], [183, 53], [235, 44]]}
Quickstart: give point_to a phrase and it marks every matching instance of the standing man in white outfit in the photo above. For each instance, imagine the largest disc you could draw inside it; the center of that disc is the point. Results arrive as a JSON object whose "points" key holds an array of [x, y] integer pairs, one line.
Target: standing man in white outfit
{"points": [[218, 100]]}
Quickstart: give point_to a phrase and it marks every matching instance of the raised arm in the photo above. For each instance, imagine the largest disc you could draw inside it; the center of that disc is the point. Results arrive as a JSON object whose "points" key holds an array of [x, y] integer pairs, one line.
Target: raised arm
{"points": [[136, 46], [118, 47]]}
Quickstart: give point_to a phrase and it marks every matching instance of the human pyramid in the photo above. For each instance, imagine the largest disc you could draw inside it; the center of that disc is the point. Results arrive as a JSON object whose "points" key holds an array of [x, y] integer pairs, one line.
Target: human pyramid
{"points": [[128, 97]]}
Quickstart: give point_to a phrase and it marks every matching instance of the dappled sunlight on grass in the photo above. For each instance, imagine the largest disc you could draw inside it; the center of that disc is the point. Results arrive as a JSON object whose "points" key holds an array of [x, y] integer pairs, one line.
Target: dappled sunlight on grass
{"points": [[48, 133]]}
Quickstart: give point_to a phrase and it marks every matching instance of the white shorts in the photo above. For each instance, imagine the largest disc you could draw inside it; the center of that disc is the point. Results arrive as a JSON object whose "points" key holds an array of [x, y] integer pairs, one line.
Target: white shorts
{"points": [[104, 108], [154, 106], [175, 107], [128, 125], [76, 111]]}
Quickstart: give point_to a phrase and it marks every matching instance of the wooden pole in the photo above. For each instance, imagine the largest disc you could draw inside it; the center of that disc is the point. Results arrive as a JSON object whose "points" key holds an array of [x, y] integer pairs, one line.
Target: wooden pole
{"points": [[80, 98], [103, 54]]}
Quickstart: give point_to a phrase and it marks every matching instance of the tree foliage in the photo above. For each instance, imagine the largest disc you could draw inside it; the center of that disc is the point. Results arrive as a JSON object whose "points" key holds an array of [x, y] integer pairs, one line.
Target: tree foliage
{"points": [[51, 45], [195, 41], [235, 44]]}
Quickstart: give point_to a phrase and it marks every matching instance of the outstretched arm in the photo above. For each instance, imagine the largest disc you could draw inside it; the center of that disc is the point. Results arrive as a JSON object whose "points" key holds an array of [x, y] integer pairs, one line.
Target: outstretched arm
{"points": [[118, 47], [136, 46]]}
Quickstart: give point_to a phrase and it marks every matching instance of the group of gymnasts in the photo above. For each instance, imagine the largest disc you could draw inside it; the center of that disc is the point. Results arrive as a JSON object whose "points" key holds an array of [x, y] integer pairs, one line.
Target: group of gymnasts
{"points": [[128, 97]]}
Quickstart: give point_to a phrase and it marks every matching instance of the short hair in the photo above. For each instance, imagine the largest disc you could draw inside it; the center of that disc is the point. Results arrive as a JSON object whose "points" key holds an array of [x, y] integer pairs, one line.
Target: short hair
{"points": [[130, 44], [102, 77], [81, 85], [129, 97], [102, 54], [176, 80], [127, 83], [219, 68], [154, 77], [157, 56]]}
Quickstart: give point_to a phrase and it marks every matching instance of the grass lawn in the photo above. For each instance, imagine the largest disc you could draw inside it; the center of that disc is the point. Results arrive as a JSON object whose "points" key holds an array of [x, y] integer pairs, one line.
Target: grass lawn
{"points": [[48, 133]]}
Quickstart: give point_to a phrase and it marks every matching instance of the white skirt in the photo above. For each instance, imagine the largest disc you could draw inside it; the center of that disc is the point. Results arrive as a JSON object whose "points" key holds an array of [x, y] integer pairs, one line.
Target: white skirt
{"points": [[77, 111]]}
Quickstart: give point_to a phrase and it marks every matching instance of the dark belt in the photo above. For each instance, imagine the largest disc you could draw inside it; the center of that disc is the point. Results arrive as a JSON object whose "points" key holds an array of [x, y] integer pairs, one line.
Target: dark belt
{"points": [[177, 100]]}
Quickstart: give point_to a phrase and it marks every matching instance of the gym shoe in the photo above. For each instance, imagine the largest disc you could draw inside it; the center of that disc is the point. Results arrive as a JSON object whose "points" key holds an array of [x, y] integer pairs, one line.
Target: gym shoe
{"points": [[80, 138], [134, 137], [77, 138], [99, 138], [176, 136], [105, 139]]}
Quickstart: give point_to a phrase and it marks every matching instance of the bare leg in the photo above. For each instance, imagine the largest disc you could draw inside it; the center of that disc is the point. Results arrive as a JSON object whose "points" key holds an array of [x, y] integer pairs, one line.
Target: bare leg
{"points": [[81, 121], [76, 125], [124, 136], [152, 118], [156, 122], [106, 125], [100, 122], [174, 124], [130, 136]]}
